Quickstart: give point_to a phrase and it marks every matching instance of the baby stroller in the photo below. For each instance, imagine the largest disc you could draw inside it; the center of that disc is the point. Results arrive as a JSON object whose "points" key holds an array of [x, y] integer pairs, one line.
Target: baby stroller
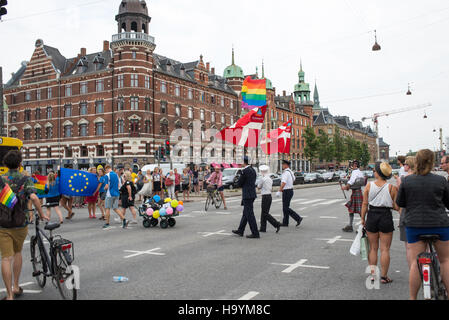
{"points": [[150, 221]]}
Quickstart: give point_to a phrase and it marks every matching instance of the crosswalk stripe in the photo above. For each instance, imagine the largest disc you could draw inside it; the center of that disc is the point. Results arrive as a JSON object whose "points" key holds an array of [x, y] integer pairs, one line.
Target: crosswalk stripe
{"points": [[311, 201], [327, 202]]}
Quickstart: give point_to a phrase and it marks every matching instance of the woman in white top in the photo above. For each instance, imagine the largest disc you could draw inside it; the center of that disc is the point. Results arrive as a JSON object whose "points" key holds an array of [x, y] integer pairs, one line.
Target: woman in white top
{"points": [[147, 189], [379, 199]]}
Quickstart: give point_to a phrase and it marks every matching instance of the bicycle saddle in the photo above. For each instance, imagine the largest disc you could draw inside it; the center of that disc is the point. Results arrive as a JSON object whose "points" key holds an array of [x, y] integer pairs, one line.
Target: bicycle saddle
{"points": [[52, 226], [429, 237]]}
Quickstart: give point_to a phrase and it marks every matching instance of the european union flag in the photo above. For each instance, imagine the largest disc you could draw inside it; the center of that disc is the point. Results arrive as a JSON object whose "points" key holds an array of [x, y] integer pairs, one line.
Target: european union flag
{"points": [[77, 183]]}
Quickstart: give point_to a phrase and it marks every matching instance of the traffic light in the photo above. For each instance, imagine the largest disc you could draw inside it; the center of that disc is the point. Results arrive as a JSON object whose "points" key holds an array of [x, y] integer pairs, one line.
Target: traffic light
{"points": [[167, 147], [162, 153], [3, 10]]}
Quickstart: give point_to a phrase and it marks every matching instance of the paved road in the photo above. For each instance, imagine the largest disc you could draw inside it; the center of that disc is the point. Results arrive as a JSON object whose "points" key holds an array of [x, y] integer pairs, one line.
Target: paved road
{"points": [[197, 264]]}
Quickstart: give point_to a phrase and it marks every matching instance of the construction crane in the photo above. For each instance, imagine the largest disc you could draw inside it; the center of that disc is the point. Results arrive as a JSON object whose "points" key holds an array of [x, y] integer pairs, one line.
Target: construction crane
{"points": [[376, 117]]}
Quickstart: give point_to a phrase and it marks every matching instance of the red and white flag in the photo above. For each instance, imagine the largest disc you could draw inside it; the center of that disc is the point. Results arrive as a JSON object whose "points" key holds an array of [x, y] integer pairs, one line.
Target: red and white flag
{"points": [[278, 140], [246, 131]]}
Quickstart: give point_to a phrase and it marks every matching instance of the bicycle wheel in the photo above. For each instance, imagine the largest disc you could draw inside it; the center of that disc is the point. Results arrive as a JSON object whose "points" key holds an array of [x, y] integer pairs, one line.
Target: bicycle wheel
{"points": [[439, 291], [63, 277], [208, 201], [218, 200], [38, 263]]}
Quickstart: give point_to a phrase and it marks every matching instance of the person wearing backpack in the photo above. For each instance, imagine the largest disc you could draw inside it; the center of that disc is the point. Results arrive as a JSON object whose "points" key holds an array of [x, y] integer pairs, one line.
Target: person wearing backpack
{"points": [[14, 222], [128, 193]]}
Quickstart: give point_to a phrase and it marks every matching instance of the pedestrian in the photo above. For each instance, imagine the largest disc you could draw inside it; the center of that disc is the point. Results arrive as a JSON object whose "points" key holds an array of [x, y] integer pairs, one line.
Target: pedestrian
{"points": [[128, 193], [354, 205], [216, 178], [378, 201], [195, 181], [157, 182], [102, 181], [266, 187], [200, 179], [67, 203], [147, 190], [92, 200], [207, 174], [53, 196], [409, 167], [112, 197], [401, 162], [286, 189], [247, 182], [13, 237], [186, 180], [445, 165], [177, 183], [170, 184], [139, 183], [426, 198]]}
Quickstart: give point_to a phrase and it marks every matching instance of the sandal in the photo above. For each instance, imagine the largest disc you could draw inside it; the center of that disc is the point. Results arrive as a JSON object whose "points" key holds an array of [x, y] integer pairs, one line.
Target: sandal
{"points": [[385, 280], [18, 294]]}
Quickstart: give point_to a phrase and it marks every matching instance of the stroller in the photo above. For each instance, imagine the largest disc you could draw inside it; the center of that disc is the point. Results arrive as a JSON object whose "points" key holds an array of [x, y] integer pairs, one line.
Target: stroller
{"points": [[150, 221]]}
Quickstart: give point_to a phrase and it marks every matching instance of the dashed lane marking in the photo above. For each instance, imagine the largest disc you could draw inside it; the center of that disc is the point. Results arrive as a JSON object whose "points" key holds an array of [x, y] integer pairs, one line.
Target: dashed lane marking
{"points": [[334, 240], [299, 264], [220, 233], [249, 295], [139, 253]]}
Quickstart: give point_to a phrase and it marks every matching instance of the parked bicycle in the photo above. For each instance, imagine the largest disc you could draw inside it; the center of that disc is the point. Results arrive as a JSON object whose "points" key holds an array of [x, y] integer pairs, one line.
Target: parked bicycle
{"points": [[213, 197], [429, 268], [54, 260]]}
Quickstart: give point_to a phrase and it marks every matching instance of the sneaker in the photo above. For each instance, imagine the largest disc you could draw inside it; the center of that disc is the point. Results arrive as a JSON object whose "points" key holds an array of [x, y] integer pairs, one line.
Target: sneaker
{"points": [[106, 226], [348, 229], [125, 224]]}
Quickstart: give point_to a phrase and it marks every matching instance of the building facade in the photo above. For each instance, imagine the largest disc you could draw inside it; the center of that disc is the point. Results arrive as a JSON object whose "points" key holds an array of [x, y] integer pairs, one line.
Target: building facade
{"points": [[384, 150]]}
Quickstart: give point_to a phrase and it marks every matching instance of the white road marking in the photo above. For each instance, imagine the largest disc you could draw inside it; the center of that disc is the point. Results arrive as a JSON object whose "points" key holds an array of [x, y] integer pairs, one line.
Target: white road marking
{"points": [[223, 213], [185, 216], [311, 201], [334, 240], [220, 233], [325, 217], [24, 285], [249, 295], [139, 253], [299, 264], [326, 203], [298, 200], [109, 228]]}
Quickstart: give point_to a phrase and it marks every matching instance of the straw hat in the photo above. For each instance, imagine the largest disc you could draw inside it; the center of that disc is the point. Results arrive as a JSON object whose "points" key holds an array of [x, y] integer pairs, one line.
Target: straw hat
{"points": [[384, 170]]}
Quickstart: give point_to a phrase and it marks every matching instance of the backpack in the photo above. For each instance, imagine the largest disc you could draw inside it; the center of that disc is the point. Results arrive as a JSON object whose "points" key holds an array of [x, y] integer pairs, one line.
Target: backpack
{"points": [[15, 217], [168, 182], [124, 190]]}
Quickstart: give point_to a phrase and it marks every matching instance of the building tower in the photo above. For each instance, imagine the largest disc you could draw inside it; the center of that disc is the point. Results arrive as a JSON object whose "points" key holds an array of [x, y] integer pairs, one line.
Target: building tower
{"points": [[302, 89], [316, 101], [234, 75]]}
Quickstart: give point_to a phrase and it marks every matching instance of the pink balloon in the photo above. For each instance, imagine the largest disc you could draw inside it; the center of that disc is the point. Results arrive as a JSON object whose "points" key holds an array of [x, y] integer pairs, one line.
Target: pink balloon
{"points": [[169, 211], [150, 212]]}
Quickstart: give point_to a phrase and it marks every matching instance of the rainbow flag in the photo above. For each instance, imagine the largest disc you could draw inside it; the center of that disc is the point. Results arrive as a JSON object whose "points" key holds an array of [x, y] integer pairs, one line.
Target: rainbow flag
{"points": [[39, 184], [254, 93], [7, 197]]}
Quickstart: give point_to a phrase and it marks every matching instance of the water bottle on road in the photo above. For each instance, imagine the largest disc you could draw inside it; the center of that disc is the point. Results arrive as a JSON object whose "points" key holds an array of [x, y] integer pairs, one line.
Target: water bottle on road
{"points": [[120, 279]]}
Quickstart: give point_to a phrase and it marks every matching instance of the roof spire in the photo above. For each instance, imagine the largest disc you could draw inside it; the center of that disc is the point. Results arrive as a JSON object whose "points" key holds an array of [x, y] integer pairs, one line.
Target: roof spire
{"points": [[300, 63], [263, 70], [257, 72], [233, 61]]}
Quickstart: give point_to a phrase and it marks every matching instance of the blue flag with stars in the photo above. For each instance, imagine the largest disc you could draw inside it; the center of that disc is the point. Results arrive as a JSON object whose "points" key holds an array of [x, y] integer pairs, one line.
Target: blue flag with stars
{"points": [[77, 183]]}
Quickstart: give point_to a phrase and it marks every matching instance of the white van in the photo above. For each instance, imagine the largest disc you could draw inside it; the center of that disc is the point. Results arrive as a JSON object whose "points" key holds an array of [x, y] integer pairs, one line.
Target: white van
{"points": [[164, 166]]}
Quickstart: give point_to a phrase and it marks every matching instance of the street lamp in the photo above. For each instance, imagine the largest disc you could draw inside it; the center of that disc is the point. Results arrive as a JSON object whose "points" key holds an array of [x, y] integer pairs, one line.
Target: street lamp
{"points": [[376, 46]]}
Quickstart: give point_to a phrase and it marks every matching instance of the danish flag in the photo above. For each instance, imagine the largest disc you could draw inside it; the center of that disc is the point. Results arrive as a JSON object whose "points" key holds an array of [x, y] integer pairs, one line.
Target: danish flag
{"points": [[278, 140]]}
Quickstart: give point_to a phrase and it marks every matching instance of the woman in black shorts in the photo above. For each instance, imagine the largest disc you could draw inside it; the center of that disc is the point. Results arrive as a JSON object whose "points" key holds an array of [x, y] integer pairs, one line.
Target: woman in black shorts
{"points": [[53, 196], [128, 195], [379, 199], [157, 182]]}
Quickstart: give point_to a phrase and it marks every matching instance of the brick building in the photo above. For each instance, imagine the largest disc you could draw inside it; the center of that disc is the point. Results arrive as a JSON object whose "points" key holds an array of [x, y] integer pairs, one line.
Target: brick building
{"points": [[384, 149]]}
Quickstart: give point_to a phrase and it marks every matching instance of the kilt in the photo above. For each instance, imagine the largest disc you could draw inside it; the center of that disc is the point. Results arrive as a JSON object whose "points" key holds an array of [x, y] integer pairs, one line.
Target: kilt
{"points": [[354, 205]]}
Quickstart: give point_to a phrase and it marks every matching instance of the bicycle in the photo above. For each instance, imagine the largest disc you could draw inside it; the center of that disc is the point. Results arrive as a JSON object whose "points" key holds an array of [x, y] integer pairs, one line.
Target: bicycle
{"points": [[429, 269], [213, 197], [54, 263]]}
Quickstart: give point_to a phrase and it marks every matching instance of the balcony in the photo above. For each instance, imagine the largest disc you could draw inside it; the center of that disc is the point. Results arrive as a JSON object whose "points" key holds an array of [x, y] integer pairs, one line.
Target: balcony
{"points": [[138, 36]]}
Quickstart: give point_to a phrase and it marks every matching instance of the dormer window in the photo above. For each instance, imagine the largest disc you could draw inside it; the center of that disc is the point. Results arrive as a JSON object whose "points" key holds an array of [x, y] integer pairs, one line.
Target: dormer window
{"points": [[98, 62]]}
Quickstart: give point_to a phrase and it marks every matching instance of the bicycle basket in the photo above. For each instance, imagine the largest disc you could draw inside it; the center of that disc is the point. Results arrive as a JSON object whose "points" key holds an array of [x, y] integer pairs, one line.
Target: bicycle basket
{"points": [[211, 189]]}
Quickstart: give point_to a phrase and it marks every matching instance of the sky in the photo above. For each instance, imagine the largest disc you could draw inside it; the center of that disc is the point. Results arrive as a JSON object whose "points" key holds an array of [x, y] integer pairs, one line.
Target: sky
{"points": [[333, 38]]}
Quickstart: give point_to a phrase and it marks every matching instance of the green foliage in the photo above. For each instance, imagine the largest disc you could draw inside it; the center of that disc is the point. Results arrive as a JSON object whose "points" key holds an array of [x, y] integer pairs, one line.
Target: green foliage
{"points": [[339, 145], [326, 148], [365, 156], [311, 148]]}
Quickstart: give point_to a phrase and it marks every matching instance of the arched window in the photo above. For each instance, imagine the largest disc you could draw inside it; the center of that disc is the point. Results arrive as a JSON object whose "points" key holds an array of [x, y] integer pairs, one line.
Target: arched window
{"points": [[134, 26], [147, 126], [178, 124], [164, 127], [144, 28], [120, 126], [123, 27]]}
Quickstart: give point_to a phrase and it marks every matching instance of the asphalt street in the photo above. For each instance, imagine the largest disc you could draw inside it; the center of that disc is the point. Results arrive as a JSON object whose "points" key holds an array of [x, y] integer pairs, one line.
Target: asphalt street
{"points": [[200, 259]]}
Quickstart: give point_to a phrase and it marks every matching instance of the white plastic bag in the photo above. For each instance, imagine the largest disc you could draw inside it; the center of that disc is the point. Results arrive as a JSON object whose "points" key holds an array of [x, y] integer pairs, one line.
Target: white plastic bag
{"points": [[355, 248]]}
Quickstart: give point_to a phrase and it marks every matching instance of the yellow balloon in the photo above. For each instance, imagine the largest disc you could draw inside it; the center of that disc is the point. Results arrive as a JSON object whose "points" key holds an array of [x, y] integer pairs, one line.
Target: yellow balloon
{"points": [[167, 200], [174, 203], [156, 214]]}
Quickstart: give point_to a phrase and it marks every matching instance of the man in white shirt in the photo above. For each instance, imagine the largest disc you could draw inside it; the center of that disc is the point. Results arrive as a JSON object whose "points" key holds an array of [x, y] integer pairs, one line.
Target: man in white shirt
{"points": [[288, 177], [401, 161], [266, 186], [354, 205]]}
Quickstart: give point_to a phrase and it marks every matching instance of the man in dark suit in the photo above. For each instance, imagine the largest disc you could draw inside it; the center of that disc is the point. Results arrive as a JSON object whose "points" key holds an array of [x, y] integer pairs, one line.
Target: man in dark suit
{"points": [[247, 182]]}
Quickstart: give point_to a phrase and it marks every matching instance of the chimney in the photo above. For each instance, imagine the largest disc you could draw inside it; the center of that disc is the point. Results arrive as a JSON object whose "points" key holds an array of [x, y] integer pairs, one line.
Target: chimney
{"points": [[105, 45], [284, 93], [212, 71], [83, 52], [208, 66]]}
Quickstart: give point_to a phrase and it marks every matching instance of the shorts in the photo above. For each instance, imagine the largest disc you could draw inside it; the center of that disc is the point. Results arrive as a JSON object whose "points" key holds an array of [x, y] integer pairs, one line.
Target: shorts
{"points": [[178, 188], [157, 186], [103, 196], [111, 203], [53, 201], [379, 220], [126, 203], [221, 189], [92, 199], [67, 197], [185, 187], [414, 233], [11, 241]]}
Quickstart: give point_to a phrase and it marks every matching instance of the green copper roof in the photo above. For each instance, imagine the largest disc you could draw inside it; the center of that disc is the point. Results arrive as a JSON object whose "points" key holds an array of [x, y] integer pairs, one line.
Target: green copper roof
{"points": [[302, 87], [233, 71]]}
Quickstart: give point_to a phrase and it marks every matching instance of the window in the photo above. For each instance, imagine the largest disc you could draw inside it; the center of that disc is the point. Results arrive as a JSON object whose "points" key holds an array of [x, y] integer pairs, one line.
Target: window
{"points": [[147, 104], [68, 110], [49, 132], [49, 112], [190, 94], [83, 130], [163, 87], [202, 115], [84, 152], [329, 131], [120, 104], [49, 93], [178, 110], [163, 107], [38, 114], [134, 128], [38, 94], [190, 112], [121, 149], [232, 119], [68, 131], [99, 85], [27, 96], [68, 90], [147, 148], [222, 101], [212, 117], [49, 152], [203, 97], [83, 108], [223, 118], [134, 80], [83, 88], [14, 134], [232, 104], [99, 129], [13, 116], [27, 115], [134, 55], [120, 81], [38, 133], [99, 107], [68, 152], [134, 103], [100, 151], [177, 91], [120, 126], [27, 134], [164, 128], [38, 153], [147, 126], [147, 82], [212, 99]]}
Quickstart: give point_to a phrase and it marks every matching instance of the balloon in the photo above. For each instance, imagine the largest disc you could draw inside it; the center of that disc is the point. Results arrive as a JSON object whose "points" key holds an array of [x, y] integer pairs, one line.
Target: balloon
{"points": [[181, 203], [180, 208], [169, 211], [167, 200], [157, 198], [174, 203], [163, 212], [156, 214], [150, 212]]}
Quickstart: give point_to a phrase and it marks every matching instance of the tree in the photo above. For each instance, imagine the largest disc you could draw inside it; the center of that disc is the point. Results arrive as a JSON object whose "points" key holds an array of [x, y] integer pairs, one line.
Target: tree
{"points": [[350, 145], [365, 156], [339, 146], [326, 148], [311, 148]]}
